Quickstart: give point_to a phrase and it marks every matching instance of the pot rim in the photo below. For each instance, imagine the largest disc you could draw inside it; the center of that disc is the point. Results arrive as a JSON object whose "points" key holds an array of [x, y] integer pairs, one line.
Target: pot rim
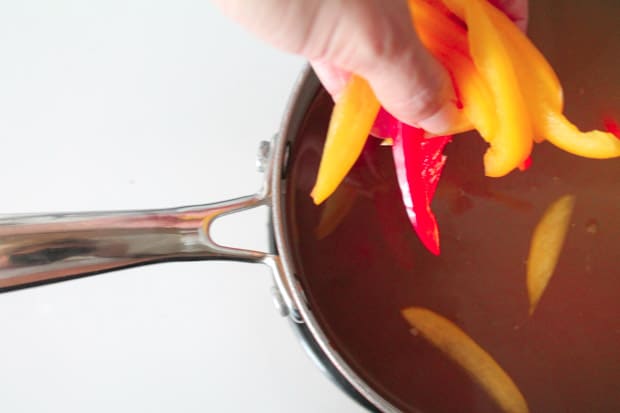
{"points": [[304, 91]]}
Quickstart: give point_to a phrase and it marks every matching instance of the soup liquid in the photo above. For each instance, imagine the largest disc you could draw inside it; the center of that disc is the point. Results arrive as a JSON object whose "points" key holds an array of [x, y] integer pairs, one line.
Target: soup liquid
{"points": [[362, 271]]}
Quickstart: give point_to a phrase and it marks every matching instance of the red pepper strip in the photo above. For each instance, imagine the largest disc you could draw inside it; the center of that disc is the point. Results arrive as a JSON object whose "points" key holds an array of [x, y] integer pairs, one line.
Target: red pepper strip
{"points": [[419, 162], [433, 161], [526, 164], [611, 126], [385, 126]]}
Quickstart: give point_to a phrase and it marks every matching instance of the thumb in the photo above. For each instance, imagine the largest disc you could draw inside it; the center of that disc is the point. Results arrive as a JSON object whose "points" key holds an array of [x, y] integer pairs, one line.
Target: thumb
{"points": [[414, 87]]}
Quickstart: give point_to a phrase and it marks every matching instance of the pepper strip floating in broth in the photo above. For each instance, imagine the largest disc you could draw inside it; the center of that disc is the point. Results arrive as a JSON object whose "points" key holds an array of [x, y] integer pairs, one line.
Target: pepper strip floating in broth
{"points": [[546, 246], [464, 351]]}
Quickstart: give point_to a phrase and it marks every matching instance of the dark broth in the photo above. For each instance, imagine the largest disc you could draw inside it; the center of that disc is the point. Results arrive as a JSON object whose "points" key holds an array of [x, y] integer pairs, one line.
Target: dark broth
{"points": [[564, 358]]}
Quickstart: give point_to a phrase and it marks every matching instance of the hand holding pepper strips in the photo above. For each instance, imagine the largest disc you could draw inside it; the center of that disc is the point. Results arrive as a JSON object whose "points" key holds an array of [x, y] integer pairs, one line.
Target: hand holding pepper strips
{"points": [[507, 91]]}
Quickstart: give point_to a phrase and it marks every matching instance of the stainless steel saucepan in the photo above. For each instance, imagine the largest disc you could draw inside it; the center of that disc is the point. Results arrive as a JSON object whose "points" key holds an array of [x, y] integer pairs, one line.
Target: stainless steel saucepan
{"points": [[344, 270]]}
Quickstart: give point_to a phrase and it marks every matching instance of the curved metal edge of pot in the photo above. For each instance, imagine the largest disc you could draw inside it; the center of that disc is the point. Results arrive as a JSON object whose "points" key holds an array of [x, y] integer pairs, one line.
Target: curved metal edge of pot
{"points": [[316, 342]]}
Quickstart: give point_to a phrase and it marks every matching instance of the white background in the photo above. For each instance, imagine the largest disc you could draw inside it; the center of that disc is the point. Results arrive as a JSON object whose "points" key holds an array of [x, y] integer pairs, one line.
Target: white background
{"points": [[123, 104]]}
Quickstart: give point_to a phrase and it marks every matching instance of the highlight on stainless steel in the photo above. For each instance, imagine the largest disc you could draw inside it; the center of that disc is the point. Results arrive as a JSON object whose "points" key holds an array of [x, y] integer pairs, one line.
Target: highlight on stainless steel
{"points": [[41, 248], [262, 156]]}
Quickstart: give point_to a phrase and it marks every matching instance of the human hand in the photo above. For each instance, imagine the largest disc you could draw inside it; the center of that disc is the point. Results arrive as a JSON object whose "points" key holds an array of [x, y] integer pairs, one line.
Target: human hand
{"points": [[372, 38]]}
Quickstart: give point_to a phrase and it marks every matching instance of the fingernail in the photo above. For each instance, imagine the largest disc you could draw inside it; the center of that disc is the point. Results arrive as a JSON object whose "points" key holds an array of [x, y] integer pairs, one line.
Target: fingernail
{"points": [[440, 122]]}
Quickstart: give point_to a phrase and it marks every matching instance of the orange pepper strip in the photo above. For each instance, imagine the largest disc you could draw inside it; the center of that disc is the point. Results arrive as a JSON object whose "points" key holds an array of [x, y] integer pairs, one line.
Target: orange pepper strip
{"points": [[447, 41], [431, 21], [349, 126], [457, 7], [473, 359], [512, 143]]}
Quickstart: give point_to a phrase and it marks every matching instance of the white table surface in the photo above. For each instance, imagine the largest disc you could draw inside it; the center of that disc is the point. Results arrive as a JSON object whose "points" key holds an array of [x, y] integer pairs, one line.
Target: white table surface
{"points": [[124, 104]]}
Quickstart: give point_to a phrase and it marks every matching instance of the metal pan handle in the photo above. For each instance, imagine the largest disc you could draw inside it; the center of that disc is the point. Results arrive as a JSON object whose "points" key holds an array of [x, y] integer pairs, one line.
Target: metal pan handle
{"points": [[36, 249]]}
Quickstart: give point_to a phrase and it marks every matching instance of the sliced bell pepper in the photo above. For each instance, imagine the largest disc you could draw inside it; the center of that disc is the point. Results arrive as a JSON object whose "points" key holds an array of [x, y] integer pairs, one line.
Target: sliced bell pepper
{"points": [[539, 85], [385, 125], [419, 162], [447, 41], [430, 20], [350, 124], [593, 144], [543, 92], [473, 92], [489, 91], [611, 126], [533, 70], [546, 246], [455, 344], [495, 70], [512, 142], [526, 164]]}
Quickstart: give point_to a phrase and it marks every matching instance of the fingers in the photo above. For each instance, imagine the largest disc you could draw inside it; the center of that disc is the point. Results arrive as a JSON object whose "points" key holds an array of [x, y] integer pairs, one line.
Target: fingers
{"points": [[376, 40]]}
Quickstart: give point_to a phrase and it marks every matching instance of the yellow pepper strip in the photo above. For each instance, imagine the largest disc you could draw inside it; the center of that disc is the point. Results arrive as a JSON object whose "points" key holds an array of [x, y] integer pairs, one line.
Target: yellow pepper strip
{"points": [[539, 83], [541, 89], [472, 358], [475, 95], [546, 246], [533, 70], [349, 126], [512, 143], [593, 144], [543, 92]]}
